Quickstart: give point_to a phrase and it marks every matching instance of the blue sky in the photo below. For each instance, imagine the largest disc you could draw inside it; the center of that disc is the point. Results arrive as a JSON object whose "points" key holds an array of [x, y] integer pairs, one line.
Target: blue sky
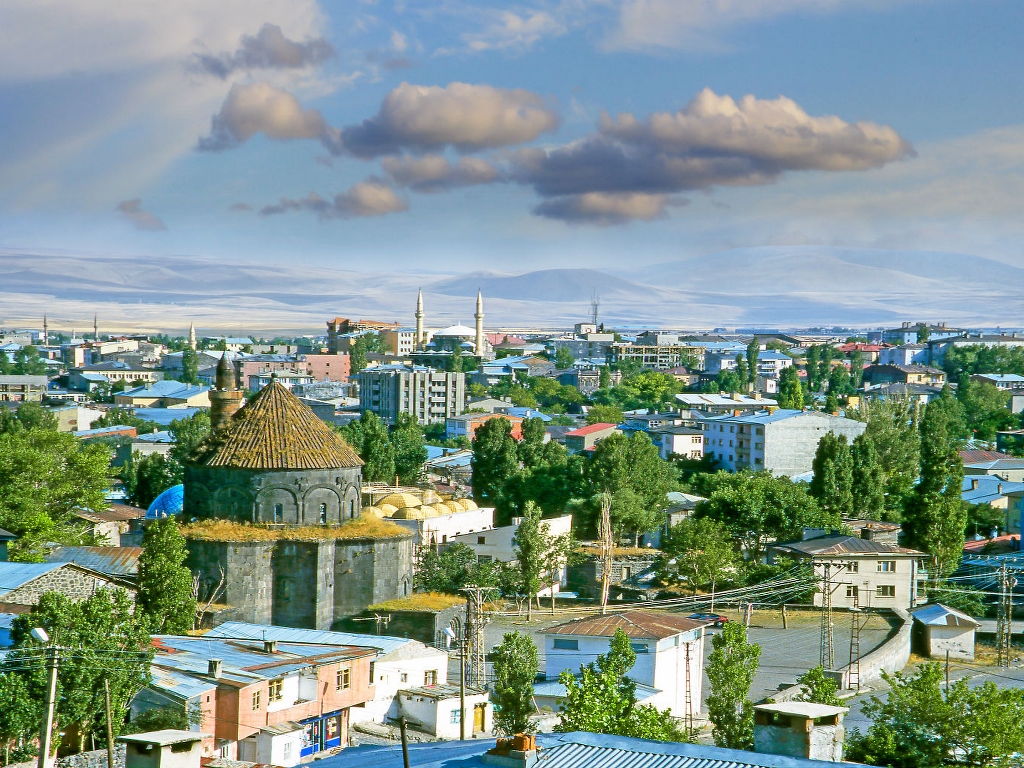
{"points": [[452, 135]]}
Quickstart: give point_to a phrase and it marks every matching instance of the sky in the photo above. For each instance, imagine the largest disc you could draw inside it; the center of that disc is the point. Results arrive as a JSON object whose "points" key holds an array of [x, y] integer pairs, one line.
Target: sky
{"points": [[458, 136]]}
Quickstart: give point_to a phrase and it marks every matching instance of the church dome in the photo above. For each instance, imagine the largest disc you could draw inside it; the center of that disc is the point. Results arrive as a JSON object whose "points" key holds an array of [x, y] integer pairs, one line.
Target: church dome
{"points": [[468, 504], [276, 430], [409, 513], [454, 506], [387, 509], [372, 512], [400, 500]]}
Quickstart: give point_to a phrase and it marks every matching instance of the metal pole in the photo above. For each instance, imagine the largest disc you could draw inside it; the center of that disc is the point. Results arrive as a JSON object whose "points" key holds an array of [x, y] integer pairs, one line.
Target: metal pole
{"points": [[48, 705], [110, 724], [405, 743], [462, 691], [947, 672]]}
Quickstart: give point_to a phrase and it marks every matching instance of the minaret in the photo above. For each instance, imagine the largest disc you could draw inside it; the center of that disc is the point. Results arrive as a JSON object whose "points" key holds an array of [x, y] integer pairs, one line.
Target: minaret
{"points": [[95, 327], [479, 324], [226, 398], [192, 335], [46, 333], [419, 321]]}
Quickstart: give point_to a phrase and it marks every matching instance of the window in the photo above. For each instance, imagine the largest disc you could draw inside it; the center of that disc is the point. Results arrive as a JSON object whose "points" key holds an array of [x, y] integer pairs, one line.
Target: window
{"points": [[344, 678], [405, 677], [323, 513], [255, 700], [886, 566], [481, 539], [287, 750], [853, 566], [278, 513], [563, 644], [456, 716], [274, 690], [639, 647], [851, 592], [430, 677], [885, 590]]}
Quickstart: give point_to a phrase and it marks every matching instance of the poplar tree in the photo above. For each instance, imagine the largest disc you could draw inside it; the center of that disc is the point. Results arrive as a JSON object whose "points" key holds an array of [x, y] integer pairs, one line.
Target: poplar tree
{"points": [[515, 668], [791, 392], [868, 479], [165, 583], [731, 667], [832, 484], [753, 349]]}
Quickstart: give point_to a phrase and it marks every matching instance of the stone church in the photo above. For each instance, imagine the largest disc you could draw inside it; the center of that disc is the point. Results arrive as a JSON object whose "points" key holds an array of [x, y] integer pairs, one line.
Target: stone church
{"points": [[273, 463]]}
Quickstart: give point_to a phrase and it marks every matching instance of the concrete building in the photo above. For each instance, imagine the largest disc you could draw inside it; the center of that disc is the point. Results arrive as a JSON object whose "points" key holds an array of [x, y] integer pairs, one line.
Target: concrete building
{"points": [[715, 403], [467, 424], [877, 375], [679, 440], [588, 380], [1004, 381], [939, 630], [343, 326], [438, 710], [1008, 470], [441, 523], [771, 363], [669, 653], [164, 394], [22, 388], [995, 492], [905, 354], [327, 367], [782, 442], [908, 333], [287, 378], [800, 729], [869, 574], [659, 357], [428, 395], [112, 372], [938, 347], [401, 341], [585, 438], [399, 662], [167, 748]]}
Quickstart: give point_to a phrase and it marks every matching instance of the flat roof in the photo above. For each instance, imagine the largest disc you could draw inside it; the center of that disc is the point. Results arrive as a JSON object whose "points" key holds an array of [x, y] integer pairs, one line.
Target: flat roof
{"points": [[806, 709], [165, 737]]}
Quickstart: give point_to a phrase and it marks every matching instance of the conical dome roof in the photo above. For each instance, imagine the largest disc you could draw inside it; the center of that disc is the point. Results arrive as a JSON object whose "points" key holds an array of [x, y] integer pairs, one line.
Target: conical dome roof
{"points": [[276, 430]]}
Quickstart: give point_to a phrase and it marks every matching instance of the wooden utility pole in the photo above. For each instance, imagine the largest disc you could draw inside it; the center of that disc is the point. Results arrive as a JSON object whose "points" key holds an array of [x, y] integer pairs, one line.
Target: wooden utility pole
{"points": [[46, 732], [110, 723], [606, 549]]}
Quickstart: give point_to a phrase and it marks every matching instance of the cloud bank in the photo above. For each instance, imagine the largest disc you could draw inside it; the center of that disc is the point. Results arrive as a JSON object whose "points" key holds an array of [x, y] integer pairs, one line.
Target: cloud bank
{"points": [[435, 173], [269, 49], [365, 199]]}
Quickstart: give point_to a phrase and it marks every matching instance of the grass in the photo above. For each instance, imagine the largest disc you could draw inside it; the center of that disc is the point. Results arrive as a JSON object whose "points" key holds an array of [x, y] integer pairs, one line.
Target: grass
{"points": [[360, 528], [420, 601]]}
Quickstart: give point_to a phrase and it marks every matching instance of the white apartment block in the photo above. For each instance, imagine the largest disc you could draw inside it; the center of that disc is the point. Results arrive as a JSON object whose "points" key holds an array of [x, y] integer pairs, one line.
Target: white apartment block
{"points": [[426, 394]]}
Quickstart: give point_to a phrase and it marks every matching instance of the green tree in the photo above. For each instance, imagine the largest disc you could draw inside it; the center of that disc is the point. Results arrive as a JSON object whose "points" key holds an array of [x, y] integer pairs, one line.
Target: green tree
{"points": [[832, 484], [531, 446], [868, 479], [831, 403], [753, 350], [375, 449], [125, 417], [189, 366], [368, 342], [188, 433], [45, 476], [935, 520], [28, 416], [985, 409], [20, 715], [731, 667], [176, 717], [812, 366], [146, 477], [603, 699], [515, 668], [960, 597], [564, 358], [791, 391], [893, 430], [530, 544], [856, 370], [699, 551], [819, 688], [923, 333], [604, 377], [448, 570], [604, 414], [27, 362], [165, 583], [840, 382], [111, 642], [495, 460], [410, 449]]}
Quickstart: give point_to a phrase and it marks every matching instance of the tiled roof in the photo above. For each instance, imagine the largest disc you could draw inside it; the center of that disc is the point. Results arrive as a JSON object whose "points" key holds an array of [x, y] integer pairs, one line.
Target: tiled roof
{"points": [[640, 624], [276, 430]]}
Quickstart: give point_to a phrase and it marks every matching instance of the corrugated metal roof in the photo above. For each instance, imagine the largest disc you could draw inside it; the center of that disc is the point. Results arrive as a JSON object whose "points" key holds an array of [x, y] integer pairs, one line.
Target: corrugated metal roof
{"points": [[844, 545], [242, 630], [638, 624], [939, 615], [555, 689], [114, 561]]}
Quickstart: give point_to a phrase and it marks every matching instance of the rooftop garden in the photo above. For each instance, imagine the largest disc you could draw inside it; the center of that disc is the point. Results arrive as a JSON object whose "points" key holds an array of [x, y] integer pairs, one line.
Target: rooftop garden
{"points": [[227, 530]]}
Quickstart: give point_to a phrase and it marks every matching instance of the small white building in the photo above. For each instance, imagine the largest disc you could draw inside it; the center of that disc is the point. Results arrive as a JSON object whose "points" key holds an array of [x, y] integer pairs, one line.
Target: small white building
{"points": [[437, 709], [669, 653], [439, 524], [939, 630], [800, 729], [680, 441], [168, 748]]}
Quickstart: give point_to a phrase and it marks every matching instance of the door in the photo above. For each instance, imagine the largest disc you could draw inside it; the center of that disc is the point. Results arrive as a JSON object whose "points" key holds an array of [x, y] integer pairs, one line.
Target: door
{"points": [[479, 712]]}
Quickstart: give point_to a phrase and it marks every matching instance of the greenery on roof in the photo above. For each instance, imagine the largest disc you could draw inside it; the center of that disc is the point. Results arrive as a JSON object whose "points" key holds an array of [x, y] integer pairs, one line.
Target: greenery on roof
{"points": [[360, 528], [420, 601]]}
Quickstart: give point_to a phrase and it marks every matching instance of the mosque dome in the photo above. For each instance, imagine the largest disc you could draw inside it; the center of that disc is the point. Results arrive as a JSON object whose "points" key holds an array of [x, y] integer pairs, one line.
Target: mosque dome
{"points": [[430, 496], [409, 513], [400, 500], [456, 331], [372, 512], [429, 511], [468, 504], [387, 509], [170, 502], [454, 506]]}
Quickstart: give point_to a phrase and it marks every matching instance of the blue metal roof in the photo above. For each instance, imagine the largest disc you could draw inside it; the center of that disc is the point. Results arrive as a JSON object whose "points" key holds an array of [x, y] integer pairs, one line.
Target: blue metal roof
{"points": [[14, 575], [164, 416], [167, 388], [555, 689], [571, 750], [989, 488], [245, 631]]}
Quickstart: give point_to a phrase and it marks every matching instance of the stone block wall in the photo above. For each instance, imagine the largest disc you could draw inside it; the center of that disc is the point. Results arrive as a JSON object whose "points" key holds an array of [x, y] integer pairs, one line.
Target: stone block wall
{"points": [[69, 581]]}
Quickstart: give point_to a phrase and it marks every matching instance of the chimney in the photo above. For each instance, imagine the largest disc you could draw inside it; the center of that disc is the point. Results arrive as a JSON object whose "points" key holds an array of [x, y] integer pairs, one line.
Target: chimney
{"points": [[974, 483], [270, 646], [737, 412], [518, 752], [216, 665]]}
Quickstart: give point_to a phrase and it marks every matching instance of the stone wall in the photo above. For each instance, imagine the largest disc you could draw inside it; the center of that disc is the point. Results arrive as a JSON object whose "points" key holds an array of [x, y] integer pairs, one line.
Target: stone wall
{"points": [[584, 577], [97, 758], [71, 582]]}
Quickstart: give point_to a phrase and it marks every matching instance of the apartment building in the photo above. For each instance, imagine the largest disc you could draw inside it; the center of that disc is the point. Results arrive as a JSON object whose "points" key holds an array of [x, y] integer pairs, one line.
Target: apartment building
{"points": [[426, 394], [22, 388]]}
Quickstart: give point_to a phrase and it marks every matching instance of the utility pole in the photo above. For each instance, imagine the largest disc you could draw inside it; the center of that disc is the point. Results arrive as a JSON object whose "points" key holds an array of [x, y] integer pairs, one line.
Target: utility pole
{"points": [[110, 723], [826, 657], [1004, 625], [474, 628], [45, 734], [606, 549], [853, 681]]}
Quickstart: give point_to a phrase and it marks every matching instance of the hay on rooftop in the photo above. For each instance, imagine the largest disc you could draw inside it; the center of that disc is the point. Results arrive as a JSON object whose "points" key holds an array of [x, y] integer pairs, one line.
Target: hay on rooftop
{"points": [[360, 528]]}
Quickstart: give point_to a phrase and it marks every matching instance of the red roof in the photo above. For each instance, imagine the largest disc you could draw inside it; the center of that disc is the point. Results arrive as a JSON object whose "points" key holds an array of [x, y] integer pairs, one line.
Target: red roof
{"points": [[639, 624], [591, 429], [973, 457], [997, 546]]}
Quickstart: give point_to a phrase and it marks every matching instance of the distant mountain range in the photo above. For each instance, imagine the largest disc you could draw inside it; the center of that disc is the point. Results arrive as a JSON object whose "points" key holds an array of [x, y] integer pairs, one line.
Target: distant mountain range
{"points": [[766, 286]]}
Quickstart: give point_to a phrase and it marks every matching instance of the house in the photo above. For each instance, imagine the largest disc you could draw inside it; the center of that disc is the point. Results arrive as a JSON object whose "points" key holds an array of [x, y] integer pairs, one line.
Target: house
{"points": [[438, 710], [493, 371], [994, 491], [630, 576], [22, 584], [905, 354], [167, 748], [921, 393], [1000, 380], [588, 380], [870, 352], [862, 572], [265, 701], [771, 363], [657, 356], [909, 333], [938, 347], [289, 378], [669, 653], [327, 367], [1008, 470], [876, 375], [585, 438], [22, 388], [686, 442], [400, 662], [467, 424], [714, 403], [645, 421], [161, 441], [164, 394], [114, 371], [115, 562], [782, 441], [6, 537], [943, 632], [230, 343]]}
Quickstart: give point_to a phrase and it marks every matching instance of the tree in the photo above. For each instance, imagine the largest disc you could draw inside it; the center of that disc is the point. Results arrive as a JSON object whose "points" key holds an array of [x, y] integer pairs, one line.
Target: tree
{"points": [[742, 373], [111, 642], [20, 714], [188, 433], [985, 409], [410, 449], [831, 403], [960, 597], [176, 717], [819, 688], [564, 358], [530, 544], [753, 350], [839, 381], [868, 479], [125, 417], [373, 444], [515, 668], [448, 570], [45, 476], [495, 460], [146, 477], [811, 364], [604, 377], [731, 667], [27, 362], [699, 551], [832, 484], [923, 333], [559, 553], [368, 342], [791, 391], [189, 366], [856, 370], [165, 583], [603, 699], [28, 416], [935, 520], [893, 430], [604, 414], [531, 446]]}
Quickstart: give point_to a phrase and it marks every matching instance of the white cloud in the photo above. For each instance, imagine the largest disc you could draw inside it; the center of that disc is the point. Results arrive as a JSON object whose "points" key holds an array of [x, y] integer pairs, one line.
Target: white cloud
{"points": [[603, 208], [132, 210], [435, 173], [269, 49], [367, 198], [512, 30], [467, 117], [261, 108]]}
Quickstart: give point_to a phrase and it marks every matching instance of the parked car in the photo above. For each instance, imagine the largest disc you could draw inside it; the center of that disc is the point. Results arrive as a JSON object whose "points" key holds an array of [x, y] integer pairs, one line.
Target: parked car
{"points": [[715, 619]]}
